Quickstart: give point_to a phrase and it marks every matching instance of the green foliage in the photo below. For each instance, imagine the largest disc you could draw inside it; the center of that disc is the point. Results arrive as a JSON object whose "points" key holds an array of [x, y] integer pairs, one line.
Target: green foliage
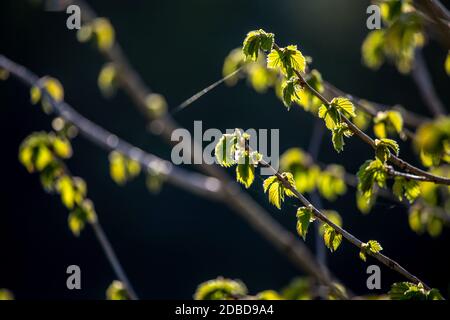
{"points": [[411, 291], [387, 122], [291, 90], [403, 33], [423, 218], [287, 59], [383, 148], [83, 213], [298, 289], [117, 291], [373, 49], [331, 238], [371, 246], [432, 139], [370, 173], [268, 295], [43, 153], [338, 133], [276, 190], [300, 164], [245, 172], [331, 183], [405, 187], [307, 100], [304, 218], [122, 169], [107, 80], [233, 149], [220, 289], [52, 86], [5, 294], [99, 29], [255, 41], [332, 113]]}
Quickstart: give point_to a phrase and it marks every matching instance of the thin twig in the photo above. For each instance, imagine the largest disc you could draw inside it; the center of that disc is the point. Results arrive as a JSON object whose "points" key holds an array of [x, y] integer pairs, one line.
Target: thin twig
{"points": [[347, 235], [240, 202], [112, 258], [261, 221], [365, 138], [424, 83]]}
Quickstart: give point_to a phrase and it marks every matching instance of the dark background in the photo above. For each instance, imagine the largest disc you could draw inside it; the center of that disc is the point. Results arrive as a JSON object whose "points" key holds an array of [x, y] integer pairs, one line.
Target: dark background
{"points": [[171, 242]]}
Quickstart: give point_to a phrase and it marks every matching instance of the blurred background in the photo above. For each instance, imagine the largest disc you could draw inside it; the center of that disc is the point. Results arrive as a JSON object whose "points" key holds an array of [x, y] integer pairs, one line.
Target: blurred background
{"points": [[170, 242]]}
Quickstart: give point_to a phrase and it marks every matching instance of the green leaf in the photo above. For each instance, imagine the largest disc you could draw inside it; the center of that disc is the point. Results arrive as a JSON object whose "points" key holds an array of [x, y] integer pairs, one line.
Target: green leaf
{"points": [[338, 133], [372, 49], [275, 189], [82, 214], [409, 188], [371, 246], [411, 291], [117, 291], [344, 105], [220, 289], [330, 116], [331, 238], [370, 173], [290, 90], [287, 59], [387, 121], [107, 80], [245, 174], [331, 183], [122, 169], [257, 40], [383, 148], [225, 149], [304, 218]]}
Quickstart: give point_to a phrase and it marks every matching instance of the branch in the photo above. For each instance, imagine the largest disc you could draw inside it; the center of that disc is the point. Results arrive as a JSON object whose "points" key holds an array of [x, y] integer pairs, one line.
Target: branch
{"points": [[347, 235], [231, 193], [365, 138], [424, 83]]}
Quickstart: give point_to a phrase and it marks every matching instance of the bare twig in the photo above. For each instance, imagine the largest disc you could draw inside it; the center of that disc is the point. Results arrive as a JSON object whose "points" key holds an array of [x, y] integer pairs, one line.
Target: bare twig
{"points": [[424, 83]]}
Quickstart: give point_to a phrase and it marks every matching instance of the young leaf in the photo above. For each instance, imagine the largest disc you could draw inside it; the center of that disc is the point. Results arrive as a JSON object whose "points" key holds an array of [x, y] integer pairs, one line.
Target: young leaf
{"points": [[409, 188], [275, 189], [331, 238], [117, 291], [339, 132], [411, 291], [257, 40], [304, 218], [220, 289], [344, 105], [330, 116], [107, 80], [371, 246], [290, 89], [245, 174], [225, 149], [371, 172], [372, 49], [287, 59], [383, 148]]}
